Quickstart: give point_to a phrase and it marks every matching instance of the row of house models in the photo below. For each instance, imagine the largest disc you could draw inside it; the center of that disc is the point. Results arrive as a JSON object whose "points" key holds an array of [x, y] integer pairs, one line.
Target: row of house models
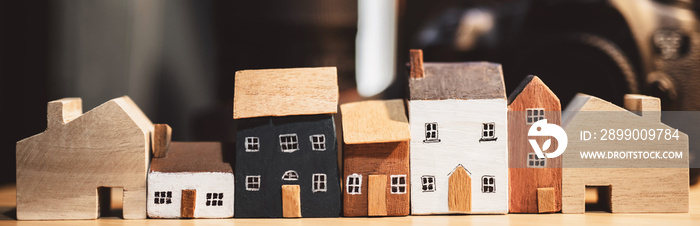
{"points": [[457, 145]]}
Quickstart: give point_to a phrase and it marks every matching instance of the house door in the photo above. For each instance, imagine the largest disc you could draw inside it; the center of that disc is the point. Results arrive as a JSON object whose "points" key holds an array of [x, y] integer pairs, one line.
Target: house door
{"points": [[376, 196], [460, 191], [291, 203], [189, 198], [546, 200]]}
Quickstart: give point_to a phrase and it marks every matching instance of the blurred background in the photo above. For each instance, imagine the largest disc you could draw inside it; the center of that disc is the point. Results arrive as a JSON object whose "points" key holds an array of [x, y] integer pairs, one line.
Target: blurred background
{"points": [[176, 59]]}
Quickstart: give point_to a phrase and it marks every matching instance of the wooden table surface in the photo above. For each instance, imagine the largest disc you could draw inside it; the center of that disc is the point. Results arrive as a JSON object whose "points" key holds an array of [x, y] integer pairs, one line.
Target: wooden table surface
{"points": [[7, 210]]}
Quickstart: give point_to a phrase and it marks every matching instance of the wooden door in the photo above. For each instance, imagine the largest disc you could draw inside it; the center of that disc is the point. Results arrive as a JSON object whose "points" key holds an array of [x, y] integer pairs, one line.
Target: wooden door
{"points": [[460, 191], [376, 195], [546, 200], [291, 202], [187, 203]]}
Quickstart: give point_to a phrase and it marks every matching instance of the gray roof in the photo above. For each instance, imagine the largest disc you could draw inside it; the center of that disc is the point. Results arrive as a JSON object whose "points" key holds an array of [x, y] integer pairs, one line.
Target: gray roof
{"points": [[464, 81]]}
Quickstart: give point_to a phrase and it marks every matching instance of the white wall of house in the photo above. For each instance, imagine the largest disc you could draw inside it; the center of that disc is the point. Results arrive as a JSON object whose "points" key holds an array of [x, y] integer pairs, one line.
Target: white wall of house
{"points": [[460, 125], [204, 183]]}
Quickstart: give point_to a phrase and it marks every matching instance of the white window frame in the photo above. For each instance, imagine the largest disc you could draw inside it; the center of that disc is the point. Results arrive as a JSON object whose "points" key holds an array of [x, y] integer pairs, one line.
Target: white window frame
{"points": [[248, 182], [426, 182], [290, 142], [316, 184], [490, 131], [165, 196], [398, 185], [357, 184], [490, 183], [290, 175], [431, 133], [215, 199], [535, 162], [533, 115], [252, 141], [321, 142]]}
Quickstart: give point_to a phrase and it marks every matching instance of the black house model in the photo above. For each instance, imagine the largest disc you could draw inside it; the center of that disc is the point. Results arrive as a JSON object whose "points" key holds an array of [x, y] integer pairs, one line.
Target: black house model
{"points": [[286, 150]]}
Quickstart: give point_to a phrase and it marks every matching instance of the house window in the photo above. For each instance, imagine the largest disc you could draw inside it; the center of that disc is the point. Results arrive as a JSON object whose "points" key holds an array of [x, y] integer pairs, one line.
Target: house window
{"points": [[319, 181], [252, 183], [431, 133], [398, 184], [488, 184], [290, 175], [535, 162], [488, 132], [534, 115], [354, 184], [215, 199], [289, 142], [163, 197], [428, 183], [318, 142], [252, 144]]}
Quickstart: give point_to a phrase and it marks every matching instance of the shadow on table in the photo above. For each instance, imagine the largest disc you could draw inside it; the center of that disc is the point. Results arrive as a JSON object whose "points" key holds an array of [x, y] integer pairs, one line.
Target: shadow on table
{"points": [[8, 213]]}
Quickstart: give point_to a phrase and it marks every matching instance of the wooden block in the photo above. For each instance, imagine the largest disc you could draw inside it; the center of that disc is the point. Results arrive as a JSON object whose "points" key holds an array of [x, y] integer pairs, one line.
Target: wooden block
{"points": [[376, 204], [416, 63], [187, 205], [546, 200], [531, 101], [459, 191], [641, 185], [374, 121], [291, 202], [191, 166], [59, 170], [284, 92], [161, 139]]}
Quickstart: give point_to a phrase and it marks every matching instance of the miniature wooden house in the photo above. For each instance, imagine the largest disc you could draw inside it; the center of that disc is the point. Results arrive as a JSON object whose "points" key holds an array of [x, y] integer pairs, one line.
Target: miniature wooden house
{"points": [[60, 170], [633, 184], [375, 158], [459, 141], [286, 147], [189, 180], [535, 183]]}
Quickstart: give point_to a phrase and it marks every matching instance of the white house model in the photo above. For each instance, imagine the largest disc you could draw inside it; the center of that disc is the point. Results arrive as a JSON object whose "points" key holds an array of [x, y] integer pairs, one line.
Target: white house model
{"points": [[459, 141]]}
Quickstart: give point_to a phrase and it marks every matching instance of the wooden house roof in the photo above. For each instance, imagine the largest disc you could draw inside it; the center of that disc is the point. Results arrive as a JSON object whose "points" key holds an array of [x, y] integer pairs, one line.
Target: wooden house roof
{"points": [[192, 157], [464, 81], [284, 92], [374, 121]]}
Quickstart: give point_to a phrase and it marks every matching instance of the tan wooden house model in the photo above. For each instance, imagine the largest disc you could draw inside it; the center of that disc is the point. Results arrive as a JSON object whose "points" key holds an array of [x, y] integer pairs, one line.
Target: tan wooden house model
{"points": [[375, 157], [60, 170], [535, 183], [633, 184]]}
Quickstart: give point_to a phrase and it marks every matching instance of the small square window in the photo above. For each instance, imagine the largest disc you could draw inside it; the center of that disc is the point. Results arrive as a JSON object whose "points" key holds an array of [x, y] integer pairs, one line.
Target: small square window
{"points": [[252, 183], [428, 183], [354, 184], [215, 199], [289, 143], [488, 132], [534, 115], [163, 197], [398, 184], [488, 184], [535, 162], [252, 144], [318, 142], [431, 133], [319, 182]]}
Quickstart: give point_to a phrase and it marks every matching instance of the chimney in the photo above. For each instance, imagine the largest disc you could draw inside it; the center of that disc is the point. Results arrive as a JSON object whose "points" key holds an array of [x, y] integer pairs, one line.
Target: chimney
{"points": [[646, 106], [417, 69], [62, 111], [161, 140]]}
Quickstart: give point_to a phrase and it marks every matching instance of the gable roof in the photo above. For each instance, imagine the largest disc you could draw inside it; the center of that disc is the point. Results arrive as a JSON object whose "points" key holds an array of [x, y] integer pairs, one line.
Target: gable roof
{"points": [[192, 157], [374, 121], [521, 87], [584, 102], [464, 81], [283, 92]]}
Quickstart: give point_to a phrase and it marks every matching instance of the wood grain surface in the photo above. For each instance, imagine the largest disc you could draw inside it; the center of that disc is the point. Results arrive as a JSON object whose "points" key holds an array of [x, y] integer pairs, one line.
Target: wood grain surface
{"points": [[376, 197], [7, 212], [374, 121]]}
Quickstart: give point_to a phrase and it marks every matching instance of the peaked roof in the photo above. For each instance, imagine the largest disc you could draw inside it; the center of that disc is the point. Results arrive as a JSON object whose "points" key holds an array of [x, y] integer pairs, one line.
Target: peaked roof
{"points": [[283, 92], [521, 87], [585, 102], [374, 121], [464, 81], [192, 157]]}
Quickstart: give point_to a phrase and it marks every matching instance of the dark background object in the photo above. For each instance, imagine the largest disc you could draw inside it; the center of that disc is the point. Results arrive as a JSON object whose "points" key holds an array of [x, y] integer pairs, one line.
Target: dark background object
{"points": [[605, 48]]}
